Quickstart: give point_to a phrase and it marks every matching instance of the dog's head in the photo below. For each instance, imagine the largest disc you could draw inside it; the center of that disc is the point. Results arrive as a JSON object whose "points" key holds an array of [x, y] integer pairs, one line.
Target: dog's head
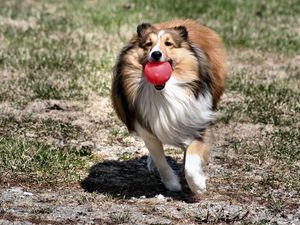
{"points": [[161, 45]]}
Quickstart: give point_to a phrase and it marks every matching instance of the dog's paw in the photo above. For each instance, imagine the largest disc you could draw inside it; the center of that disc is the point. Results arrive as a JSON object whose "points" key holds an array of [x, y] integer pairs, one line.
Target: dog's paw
{"points": [[197, 183], [150, 164], [172, 182], [168, 176], [194, 174]]}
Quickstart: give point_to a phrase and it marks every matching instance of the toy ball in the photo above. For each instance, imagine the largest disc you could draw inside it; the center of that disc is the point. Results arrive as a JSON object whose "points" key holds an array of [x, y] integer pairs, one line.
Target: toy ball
{"points": [[158, 73]]}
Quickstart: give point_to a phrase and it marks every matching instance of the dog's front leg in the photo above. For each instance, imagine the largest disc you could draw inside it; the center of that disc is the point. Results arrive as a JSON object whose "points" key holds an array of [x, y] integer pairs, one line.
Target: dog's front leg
{"points": [[155, 147], [196, 156]]}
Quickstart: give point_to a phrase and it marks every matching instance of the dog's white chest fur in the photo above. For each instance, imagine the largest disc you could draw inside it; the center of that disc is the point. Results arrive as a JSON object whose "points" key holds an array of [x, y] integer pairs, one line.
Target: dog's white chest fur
{"points": [[174, 116]]}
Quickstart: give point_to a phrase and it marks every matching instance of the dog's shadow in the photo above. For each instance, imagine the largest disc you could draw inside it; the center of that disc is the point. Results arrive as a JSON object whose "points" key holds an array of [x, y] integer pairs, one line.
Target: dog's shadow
{"points": [[131, 178]]}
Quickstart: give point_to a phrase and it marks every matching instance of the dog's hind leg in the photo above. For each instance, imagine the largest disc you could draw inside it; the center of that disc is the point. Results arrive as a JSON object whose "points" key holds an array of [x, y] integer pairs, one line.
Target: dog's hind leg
{"points": [[196, 157], [155, 147]]}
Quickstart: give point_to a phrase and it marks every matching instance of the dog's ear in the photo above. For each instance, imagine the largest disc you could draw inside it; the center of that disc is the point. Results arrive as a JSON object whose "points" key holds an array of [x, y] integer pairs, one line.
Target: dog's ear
{"points": [[182, 31], [142, 28]]}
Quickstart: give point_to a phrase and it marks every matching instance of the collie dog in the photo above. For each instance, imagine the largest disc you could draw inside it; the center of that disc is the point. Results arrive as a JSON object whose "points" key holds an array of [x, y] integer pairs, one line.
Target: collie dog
{"points": [[178, 112]]}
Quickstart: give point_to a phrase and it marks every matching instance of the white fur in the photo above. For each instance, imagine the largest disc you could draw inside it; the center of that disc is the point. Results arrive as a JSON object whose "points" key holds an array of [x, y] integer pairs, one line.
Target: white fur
{"points": [[175, 117], [168, 176], [174, 114], [157, 47], [194, 173]]}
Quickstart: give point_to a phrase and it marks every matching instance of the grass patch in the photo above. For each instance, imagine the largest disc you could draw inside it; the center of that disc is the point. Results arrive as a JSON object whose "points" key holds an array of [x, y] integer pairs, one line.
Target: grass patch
{"points": [[256, 24], [12, 126], [277, 153], [283, 145], [252, 24], [51, 51], [27, 159], [67, 49], [35, 163], [264, 102], [43, 75]]}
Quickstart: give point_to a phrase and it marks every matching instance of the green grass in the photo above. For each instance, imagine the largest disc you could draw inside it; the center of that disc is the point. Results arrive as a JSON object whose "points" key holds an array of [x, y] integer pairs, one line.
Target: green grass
{"points": [[34, 163], [50, 42], [11, 126], [280, 144], [267, 100], [268, 103], [241, 24], [26, 157]]}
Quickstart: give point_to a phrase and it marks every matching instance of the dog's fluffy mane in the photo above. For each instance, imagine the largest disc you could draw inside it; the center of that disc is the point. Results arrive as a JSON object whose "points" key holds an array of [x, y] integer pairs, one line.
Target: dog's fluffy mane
{"points": [[201, 70]]}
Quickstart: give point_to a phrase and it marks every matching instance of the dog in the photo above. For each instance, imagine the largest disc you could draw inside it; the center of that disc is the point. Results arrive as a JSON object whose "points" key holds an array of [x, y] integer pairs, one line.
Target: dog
{"points": [[178, 112]]}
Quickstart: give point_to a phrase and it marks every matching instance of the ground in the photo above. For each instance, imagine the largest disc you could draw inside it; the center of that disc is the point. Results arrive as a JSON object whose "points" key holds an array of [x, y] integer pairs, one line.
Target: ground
{"points": [[65, 158]]}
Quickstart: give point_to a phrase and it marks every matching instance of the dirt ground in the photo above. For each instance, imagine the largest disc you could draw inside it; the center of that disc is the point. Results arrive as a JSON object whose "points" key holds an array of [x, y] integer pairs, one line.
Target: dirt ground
{"points": [[120, 190]]}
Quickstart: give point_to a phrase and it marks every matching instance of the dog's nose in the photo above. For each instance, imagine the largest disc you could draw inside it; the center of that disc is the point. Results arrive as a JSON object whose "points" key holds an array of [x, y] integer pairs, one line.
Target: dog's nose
{"points": [[156, 55]]}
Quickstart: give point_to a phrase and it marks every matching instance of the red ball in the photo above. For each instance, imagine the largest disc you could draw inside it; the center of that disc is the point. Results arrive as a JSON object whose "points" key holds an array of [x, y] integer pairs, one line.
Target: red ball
{"points": [[158, 73]]}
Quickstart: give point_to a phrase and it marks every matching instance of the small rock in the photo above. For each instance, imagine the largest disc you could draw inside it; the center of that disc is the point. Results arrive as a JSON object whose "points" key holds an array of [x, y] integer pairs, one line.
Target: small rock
{"points": [[20, 191], [27, 193], [290, 216], [257, 178], [160, 197]]}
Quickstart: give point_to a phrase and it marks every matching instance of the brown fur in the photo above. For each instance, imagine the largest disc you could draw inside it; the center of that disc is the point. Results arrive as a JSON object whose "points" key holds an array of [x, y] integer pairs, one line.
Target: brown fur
{"points": [[211, 44], [199, 148], [185, 69]]}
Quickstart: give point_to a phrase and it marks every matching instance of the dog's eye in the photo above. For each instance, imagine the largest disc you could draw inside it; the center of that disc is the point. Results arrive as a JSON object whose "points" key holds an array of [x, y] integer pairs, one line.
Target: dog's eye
{"points": [[148, 44], [167, 43]]}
